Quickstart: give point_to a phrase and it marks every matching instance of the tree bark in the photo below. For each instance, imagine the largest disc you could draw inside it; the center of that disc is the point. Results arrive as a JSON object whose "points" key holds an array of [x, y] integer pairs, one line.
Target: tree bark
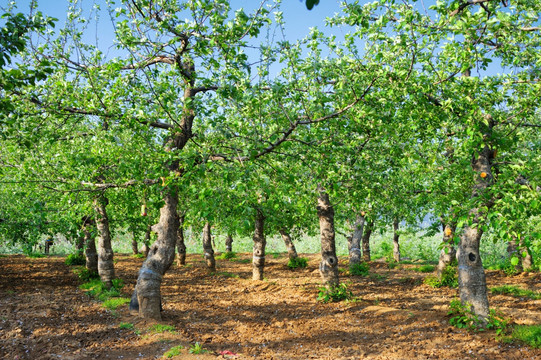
{"points": [[229, 243], [146, 298], [354, 244], [471, 275], [291, 250], [91, 254], [134, 245], [448, 252], [396, 237], [106, 267], [258, 261], [181, 246], [80, 244], [328, 267], [366, 240], [207, 248], [146, 241]]}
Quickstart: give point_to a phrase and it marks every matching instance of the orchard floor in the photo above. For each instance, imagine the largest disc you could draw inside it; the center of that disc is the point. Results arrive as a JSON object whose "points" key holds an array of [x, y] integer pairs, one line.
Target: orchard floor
{"points": [[43, 314]]}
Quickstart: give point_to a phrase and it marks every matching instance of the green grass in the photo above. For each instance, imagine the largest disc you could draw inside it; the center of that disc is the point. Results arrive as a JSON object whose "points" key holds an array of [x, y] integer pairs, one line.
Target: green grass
{"points": [[114, 303], [226, 274], [174, 351], [361, 269], [424, 268], [197, 348], [126, 326], [85, 275], [138, 256], [527, 334], [228, 255], [161, 328], [336, 293], [449, 278], [75, 259], [298, 262], [242, 261], [35, 255], [515, 291], [96, 289]]}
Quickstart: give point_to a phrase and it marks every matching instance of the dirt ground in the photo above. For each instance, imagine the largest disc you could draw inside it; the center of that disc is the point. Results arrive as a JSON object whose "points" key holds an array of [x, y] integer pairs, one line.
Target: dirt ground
{"points": [[43, 314]]}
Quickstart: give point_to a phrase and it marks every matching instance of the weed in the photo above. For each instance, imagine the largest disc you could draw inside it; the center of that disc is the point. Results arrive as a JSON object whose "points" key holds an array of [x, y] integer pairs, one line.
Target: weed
{"points": [[463, 317], [126, 326], [392, 264], [515, 291], [528, 334], [334, 293], [197, 348], [298, 262], [174, 351], [226, 274], [161, 328], [86, 275], [424, 268], [35, 255], [361, 269], [275, 255], [114, 303], [75, 259], [228, 255], [97, 289], [138, 255], [448, 278], [378, 277], [243, 261]]}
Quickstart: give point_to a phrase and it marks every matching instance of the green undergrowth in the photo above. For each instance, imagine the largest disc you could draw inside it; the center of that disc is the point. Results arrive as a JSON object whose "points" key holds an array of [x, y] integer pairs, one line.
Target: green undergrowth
{"points": [[526, 334], [424, 268], [35, 255], [298, 262], [228, 255], [162, 328], [449, 278], [226, 274], [463, 317], [242, 261], [85, 275], [115, 302], [96, 289], [197, 348], [360, 269], [515, 291], [138, 255], [126, 326], [75, 259], [174, 351], [334, 293]]}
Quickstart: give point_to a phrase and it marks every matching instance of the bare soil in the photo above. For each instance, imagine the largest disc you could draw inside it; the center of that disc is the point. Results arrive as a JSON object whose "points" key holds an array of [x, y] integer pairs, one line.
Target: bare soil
{"points": [[43, 314]]}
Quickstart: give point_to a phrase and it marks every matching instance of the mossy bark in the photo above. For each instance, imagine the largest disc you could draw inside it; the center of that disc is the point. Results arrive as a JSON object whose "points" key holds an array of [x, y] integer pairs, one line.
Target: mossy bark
{"points": [[328, 267], [106, 267], [207, 248], [260, 242]]}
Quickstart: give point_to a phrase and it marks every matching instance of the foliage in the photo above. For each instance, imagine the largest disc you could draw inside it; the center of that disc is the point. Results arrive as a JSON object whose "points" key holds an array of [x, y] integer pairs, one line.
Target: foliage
{"points": [[75, 259], [361, 269], [86, 275], [448, 278], [298, 262], [115, 302], [174, 351], [35, 255], [334, 293], [96, 288], [126, 326], [516, 291], [424, 268], [197, 348], [527, 334], [228, 255], [161, 328], [463, 317], [139, 255]]}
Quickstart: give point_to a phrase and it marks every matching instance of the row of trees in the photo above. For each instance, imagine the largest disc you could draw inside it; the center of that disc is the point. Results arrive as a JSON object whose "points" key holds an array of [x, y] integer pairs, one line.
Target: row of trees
{"points": [[207, 115]]}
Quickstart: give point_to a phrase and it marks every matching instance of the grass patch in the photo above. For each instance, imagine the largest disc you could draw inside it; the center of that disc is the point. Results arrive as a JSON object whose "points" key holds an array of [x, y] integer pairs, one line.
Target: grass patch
{"points": [[86, 275], [35, 255], [174, 351], [515, 291], [424, 268], [527, 334], [463, 317], [75, 259], [138, 255], [114, 303], [242, 261], [298, 262], [96, 289], [334, 293], [449, 278], [226, 274], [197, 348], [228, 255], [275, 255], [126, 326], [161, 328], [361, 269]]}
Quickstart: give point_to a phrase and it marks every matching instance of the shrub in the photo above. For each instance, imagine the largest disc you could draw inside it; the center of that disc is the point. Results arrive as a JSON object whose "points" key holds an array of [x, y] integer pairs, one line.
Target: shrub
{"points": [[463, 317], [75, 259], [361, 269], [297, 262], [86, 275], [227, 255], [449, 278], [138, 255], [424, 268], [97, 289], [197, 348], [334, 293]]}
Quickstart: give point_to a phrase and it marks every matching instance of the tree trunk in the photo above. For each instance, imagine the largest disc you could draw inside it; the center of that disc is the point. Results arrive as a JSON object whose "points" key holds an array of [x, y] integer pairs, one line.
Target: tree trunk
{"points": [[181, 246], [448, 252], [146, 298], [366, 240], [146, 241], [527, 261], [471, 275], [229, 243], [291, 251], [396, 237], [207, 247], [134, 245], [354, 245], [91, 254], [80, 244], [106, 267], [328, 267], [258, 261]]}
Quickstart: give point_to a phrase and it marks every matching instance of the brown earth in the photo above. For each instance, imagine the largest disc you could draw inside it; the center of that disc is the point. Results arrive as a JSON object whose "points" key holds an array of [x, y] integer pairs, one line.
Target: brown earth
{"points": [[43, 314]]}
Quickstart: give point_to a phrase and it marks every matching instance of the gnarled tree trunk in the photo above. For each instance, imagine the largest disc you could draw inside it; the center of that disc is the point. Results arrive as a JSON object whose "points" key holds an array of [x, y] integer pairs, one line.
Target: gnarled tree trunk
{"points": [[229, 243], [258, 261], [106, 267], [448, 252], [396, 237], [354, 244], [366, 240], [291, 251], [181, 246], [146, 298], [207, 248], [328, 267]]}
